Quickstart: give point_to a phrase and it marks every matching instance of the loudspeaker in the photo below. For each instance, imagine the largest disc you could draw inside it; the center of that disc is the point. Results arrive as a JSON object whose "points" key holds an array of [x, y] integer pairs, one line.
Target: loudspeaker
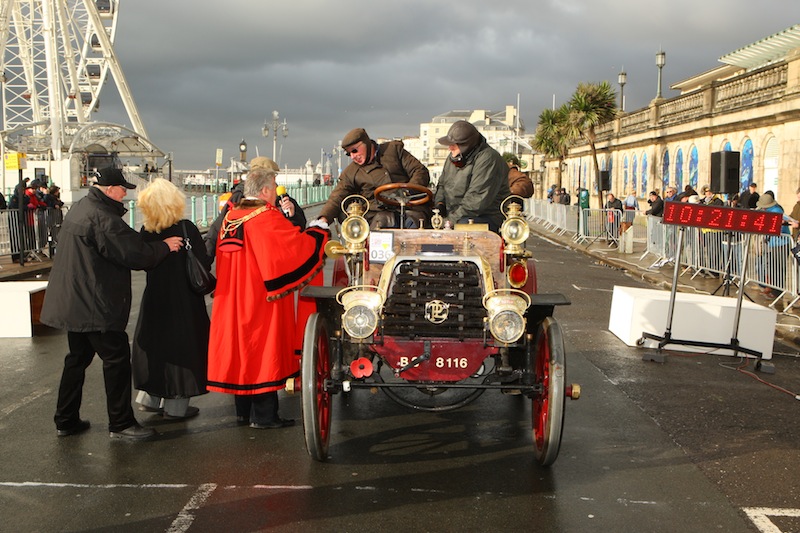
{"points": [[725, 172], [605, 180]]}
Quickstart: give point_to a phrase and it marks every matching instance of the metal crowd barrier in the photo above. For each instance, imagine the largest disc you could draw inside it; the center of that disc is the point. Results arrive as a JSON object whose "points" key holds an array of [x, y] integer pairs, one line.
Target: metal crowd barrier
{"points": [[770, 263], [597, 224], [38, 235]]}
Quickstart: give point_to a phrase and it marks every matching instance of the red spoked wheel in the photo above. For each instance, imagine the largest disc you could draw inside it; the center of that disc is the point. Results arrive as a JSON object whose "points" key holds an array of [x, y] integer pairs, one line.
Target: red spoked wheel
{"points": [[547, 409], [316, 401]]}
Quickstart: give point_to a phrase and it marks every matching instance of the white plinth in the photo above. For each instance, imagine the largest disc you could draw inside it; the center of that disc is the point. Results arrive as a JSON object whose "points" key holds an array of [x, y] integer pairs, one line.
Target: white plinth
{"points": [[697, 317], [20, 305]]}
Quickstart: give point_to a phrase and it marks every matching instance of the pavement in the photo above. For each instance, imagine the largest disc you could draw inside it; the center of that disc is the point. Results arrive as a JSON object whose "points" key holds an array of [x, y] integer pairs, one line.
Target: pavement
{"points": [[31, 270]]}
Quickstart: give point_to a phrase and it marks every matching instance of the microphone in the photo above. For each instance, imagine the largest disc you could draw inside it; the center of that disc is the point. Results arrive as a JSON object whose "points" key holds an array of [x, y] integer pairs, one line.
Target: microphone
{"points": [[281, 190]]}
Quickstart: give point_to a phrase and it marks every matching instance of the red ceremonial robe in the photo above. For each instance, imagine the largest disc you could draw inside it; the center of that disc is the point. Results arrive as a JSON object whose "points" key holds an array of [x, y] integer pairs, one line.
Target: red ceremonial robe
{"points": [[252, 340]]}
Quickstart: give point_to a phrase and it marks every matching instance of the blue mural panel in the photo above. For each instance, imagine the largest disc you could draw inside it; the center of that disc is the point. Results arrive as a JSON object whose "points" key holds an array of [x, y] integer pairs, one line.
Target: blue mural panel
{"points": [[747, 164], [625, 174], [679, 169], [665, 171], [693, 166], [644, 175]]}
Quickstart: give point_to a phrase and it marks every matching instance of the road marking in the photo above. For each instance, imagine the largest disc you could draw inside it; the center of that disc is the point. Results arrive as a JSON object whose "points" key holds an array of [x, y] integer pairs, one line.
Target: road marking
{"points": [[23, 402], [186, 517], [590, 289], [758, 515], [94, 486]]}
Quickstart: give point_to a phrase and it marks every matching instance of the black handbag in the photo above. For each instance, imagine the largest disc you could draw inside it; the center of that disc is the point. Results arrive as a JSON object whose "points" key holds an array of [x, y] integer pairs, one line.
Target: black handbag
{"points": [[200, 279]]}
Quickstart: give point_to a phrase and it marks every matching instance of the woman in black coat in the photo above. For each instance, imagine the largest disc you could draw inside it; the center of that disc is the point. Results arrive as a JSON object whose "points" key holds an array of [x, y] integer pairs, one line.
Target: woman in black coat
{"points": [[170, 346]]}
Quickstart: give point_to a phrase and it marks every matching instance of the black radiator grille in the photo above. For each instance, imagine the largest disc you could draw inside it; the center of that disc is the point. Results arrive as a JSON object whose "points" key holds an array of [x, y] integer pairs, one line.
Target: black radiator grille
{"points": [[416, 283]]}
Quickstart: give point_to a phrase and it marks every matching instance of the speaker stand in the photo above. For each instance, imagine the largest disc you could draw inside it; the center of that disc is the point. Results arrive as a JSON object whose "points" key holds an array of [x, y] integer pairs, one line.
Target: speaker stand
{"points": [[727, 277]]}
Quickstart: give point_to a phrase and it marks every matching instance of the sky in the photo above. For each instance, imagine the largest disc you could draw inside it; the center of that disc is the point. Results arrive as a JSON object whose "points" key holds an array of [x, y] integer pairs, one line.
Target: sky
{"points": [[206, 74]]}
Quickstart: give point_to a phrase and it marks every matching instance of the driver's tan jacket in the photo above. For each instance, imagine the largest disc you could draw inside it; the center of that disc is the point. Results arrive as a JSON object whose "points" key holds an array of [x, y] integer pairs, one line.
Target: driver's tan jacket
{"points": [[393, 164]]}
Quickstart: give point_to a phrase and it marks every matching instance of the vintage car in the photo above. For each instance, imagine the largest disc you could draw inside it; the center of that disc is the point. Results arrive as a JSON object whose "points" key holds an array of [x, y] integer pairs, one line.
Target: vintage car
{"points": [[433, 317]]}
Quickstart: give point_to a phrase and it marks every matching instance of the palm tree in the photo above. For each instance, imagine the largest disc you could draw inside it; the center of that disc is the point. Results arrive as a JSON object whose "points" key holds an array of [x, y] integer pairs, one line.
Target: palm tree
{"points": [[553, 135], [592, 104]]}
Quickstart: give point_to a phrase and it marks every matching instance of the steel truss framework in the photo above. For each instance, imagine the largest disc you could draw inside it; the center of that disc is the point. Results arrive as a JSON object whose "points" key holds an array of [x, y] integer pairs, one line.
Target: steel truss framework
{"points": [[56, 56]]}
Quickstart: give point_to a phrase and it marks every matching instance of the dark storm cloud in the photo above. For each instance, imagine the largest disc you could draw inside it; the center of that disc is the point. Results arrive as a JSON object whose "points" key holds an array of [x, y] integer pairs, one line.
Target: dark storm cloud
{"points": [[206, 74]]}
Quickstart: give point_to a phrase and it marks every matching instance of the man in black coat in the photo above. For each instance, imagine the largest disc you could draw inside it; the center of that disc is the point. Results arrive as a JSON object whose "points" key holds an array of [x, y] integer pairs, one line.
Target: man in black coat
{"points": [[749, 198], [613, 216], [656, 205], [89, 295]]}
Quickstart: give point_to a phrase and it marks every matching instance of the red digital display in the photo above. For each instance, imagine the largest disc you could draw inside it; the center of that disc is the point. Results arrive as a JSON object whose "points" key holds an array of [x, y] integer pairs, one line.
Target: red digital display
{"points": [[723, 218]]}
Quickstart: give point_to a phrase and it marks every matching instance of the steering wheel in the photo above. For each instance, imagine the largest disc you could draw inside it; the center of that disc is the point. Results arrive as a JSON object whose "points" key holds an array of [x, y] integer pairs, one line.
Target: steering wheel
{"points": [[403, 194]]}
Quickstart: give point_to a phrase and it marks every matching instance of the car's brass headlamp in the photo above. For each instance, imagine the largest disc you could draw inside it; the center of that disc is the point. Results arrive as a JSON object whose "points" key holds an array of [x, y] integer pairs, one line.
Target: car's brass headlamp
{"points": [[506, 309], [515, 229], [362, 307]]}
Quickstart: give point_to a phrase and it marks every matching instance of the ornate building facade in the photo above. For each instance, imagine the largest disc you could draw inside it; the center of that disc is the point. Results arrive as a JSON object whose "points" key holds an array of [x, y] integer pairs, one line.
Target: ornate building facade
{"points": [[750, 105]]}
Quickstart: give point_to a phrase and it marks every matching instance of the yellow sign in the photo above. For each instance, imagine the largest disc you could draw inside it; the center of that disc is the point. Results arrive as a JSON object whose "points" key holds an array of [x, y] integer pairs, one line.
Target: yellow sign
{"points": [[15, 161]]}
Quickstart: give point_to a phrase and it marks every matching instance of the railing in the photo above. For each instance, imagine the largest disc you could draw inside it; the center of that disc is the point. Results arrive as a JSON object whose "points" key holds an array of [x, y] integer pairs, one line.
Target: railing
{"points": [[31, 235], [761, 86], [40, 226], [770, 264], [202, 210]]}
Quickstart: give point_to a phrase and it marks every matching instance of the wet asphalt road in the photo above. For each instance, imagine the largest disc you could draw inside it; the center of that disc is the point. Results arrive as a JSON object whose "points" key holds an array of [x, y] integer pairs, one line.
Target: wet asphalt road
{"points": [[691, 445]]}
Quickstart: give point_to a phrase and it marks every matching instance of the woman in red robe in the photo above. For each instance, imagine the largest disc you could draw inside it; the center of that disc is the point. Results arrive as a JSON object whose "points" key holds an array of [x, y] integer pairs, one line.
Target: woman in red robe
{"points": [[262, 258]]}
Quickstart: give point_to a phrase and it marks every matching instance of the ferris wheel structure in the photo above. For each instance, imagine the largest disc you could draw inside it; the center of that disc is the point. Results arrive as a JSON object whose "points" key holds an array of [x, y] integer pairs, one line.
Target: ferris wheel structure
{"points": [[57, 55]]}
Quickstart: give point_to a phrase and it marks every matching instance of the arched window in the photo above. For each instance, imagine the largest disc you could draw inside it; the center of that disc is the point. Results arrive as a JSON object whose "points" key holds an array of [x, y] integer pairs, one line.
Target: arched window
{"points": [[693, 162], [576, 175], [625, 174], [586, 179], [610, 167], [644, 175], [634, 168], [771, 165], [679, 169], [665, 170]]}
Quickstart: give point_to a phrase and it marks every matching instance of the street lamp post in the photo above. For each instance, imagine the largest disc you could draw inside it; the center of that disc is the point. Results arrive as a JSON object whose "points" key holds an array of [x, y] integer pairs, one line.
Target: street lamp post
{"points": [[622, 79], [276, 125], [242, 159], [661, 60]]}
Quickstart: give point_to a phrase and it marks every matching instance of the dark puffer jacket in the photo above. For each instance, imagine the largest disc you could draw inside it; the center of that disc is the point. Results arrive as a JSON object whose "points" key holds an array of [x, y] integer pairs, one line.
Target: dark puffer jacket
{"points": [[89, 287]]}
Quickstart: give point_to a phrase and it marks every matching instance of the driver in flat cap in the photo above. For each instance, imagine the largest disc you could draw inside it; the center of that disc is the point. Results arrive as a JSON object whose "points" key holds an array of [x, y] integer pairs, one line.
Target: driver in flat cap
{"points": [[374, 165]]}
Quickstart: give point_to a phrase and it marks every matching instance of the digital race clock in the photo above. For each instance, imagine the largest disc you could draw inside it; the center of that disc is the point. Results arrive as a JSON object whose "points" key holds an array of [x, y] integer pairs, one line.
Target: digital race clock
{"points": [[722, 218]]}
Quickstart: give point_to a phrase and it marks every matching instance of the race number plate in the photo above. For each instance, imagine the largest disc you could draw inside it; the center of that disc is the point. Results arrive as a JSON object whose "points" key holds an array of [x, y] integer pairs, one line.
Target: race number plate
{"points": [[381, 246]]}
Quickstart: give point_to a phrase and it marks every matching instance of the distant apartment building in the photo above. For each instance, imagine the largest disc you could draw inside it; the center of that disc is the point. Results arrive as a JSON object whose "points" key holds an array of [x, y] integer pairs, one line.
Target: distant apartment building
{"points": [[504, 131]]}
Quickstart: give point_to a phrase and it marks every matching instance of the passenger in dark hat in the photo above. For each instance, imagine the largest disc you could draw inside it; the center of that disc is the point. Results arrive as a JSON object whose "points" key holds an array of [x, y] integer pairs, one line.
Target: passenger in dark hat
{"points": [[374, 165], [474, 179]]}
